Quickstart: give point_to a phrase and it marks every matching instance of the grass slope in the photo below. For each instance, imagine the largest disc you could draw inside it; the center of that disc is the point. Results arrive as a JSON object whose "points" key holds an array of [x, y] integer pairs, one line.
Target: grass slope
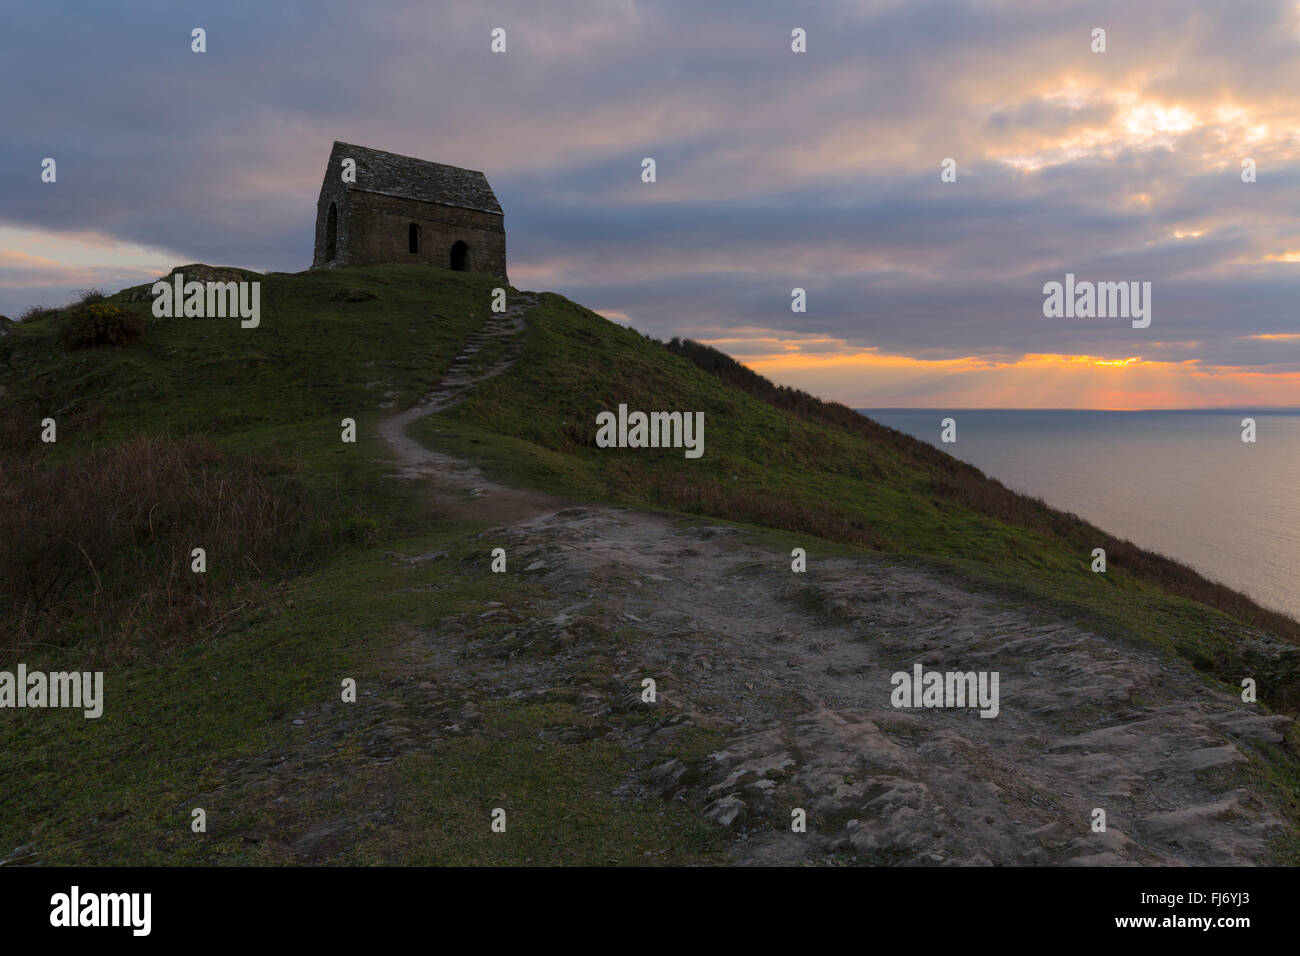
{"points": [[773, 467], [190, 721]]}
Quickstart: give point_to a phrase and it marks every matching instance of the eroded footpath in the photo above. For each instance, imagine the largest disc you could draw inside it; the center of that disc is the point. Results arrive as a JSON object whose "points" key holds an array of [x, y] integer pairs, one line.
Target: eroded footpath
{"points": [[789, 675]]}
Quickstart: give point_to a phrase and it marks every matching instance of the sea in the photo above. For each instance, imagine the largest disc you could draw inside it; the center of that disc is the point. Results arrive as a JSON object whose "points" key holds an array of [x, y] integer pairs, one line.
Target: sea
{"points": [[1182, 483]]}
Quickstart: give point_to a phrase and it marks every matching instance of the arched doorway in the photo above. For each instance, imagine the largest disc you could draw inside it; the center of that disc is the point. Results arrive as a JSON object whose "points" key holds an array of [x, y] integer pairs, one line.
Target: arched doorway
{"points": [[413, 238], [331, 232], [460, 257]]}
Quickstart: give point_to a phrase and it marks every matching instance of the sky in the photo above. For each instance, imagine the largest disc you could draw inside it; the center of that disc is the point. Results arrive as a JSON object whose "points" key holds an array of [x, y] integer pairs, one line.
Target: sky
{"points": [[775, 170]]}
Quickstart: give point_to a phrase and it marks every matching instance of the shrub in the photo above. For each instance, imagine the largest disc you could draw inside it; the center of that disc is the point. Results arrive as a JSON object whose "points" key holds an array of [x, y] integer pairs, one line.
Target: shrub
{"points": [[88, 297], [34, 312], [88, 326]]}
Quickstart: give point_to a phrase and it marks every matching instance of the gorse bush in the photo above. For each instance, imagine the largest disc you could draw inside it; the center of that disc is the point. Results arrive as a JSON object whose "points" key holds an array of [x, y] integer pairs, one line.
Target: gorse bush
{"points": [[88, 326]]}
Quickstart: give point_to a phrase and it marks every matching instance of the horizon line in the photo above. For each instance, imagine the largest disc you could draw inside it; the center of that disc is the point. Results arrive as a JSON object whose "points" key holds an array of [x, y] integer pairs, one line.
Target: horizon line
{"points": [[1035, 408]]}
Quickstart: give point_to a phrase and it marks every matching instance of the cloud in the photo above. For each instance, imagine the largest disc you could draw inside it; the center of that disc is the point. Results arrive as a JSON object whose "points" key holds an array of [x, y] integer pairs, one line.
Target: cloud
{"points": [[775, 170], [49, 268]]}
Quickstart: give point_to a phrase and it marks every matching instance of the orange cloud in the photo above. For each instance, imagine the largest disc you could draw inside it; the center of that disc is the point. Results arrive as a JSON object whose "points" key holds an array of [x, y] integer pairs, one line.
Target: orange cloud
{"points": [[867, 379], [35, 258]]}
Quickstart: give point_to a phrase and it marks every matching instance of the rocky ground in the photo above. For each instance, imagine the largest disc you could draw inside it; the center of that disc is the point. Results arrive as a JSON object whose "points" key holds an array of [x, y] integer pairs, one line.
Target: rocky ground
{"points": [[790, 675]]}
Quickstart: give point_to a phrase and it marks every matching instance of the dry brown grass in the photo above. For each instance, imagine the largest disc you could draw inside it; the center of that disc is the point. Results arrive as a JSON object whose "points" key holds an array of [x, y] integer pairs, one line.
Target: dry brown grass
{"points": [[100, 550]]}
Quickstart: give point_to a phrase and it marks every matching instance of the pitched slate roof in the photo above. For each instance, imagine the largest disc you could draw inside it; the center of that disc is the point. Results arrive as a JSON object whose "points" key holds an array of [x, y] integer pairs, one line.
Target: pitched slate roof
{"points": [[411, 178]]}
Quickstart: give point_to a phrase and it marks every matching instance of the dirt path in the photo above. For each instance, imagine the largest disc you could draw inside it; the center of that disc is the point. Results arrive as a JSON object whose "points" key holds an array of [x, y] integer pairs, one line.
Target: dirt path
{"points": [[462, 489], [793, 672]]}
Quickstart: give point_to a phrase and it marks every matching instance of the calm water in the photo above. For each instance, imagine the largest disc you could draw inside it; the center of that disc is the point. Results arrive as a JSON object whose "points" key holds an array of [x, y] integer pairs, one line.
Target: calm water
{"points": [[1182, 483]]}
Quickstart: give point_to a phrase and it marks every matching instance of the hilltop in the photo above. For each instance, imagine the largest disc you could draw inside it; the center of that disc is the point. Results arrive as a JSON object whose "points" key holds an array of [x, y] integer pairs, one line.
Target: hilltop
{"points": [[523, 690]]}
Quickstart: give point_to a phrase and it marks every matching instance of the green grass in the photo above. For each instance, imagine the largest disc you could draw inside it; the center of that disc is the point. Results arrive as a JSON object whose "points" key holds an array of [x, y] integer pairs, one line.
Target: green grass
{"points": [[195, 723], [556, 797], [535, 425], [186, 727], [313, 361], [121, 788]]}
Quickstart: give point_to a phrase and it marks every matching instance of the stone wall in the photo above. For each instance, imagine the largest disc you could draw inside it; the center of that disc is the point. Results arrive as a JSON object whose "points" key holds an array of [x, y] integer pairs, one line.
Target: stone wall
{"points": [[374, 229], [378, 232], [332, 191]]}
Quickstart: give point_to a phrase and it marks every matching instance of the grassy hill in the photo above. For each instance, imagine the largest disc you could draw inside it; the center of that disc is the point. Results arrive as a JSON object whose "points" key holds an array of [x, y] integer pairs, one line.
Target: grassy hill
{"points": [[203, 434], [782, 459]]}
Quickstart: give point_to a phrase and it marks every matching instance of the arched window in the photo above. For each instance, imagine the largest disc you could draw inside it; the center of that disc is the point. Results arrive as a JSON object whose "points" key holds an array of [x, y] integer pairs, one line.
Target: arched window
{"points": [[332, 232], [413, 238], [460, 257]]}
